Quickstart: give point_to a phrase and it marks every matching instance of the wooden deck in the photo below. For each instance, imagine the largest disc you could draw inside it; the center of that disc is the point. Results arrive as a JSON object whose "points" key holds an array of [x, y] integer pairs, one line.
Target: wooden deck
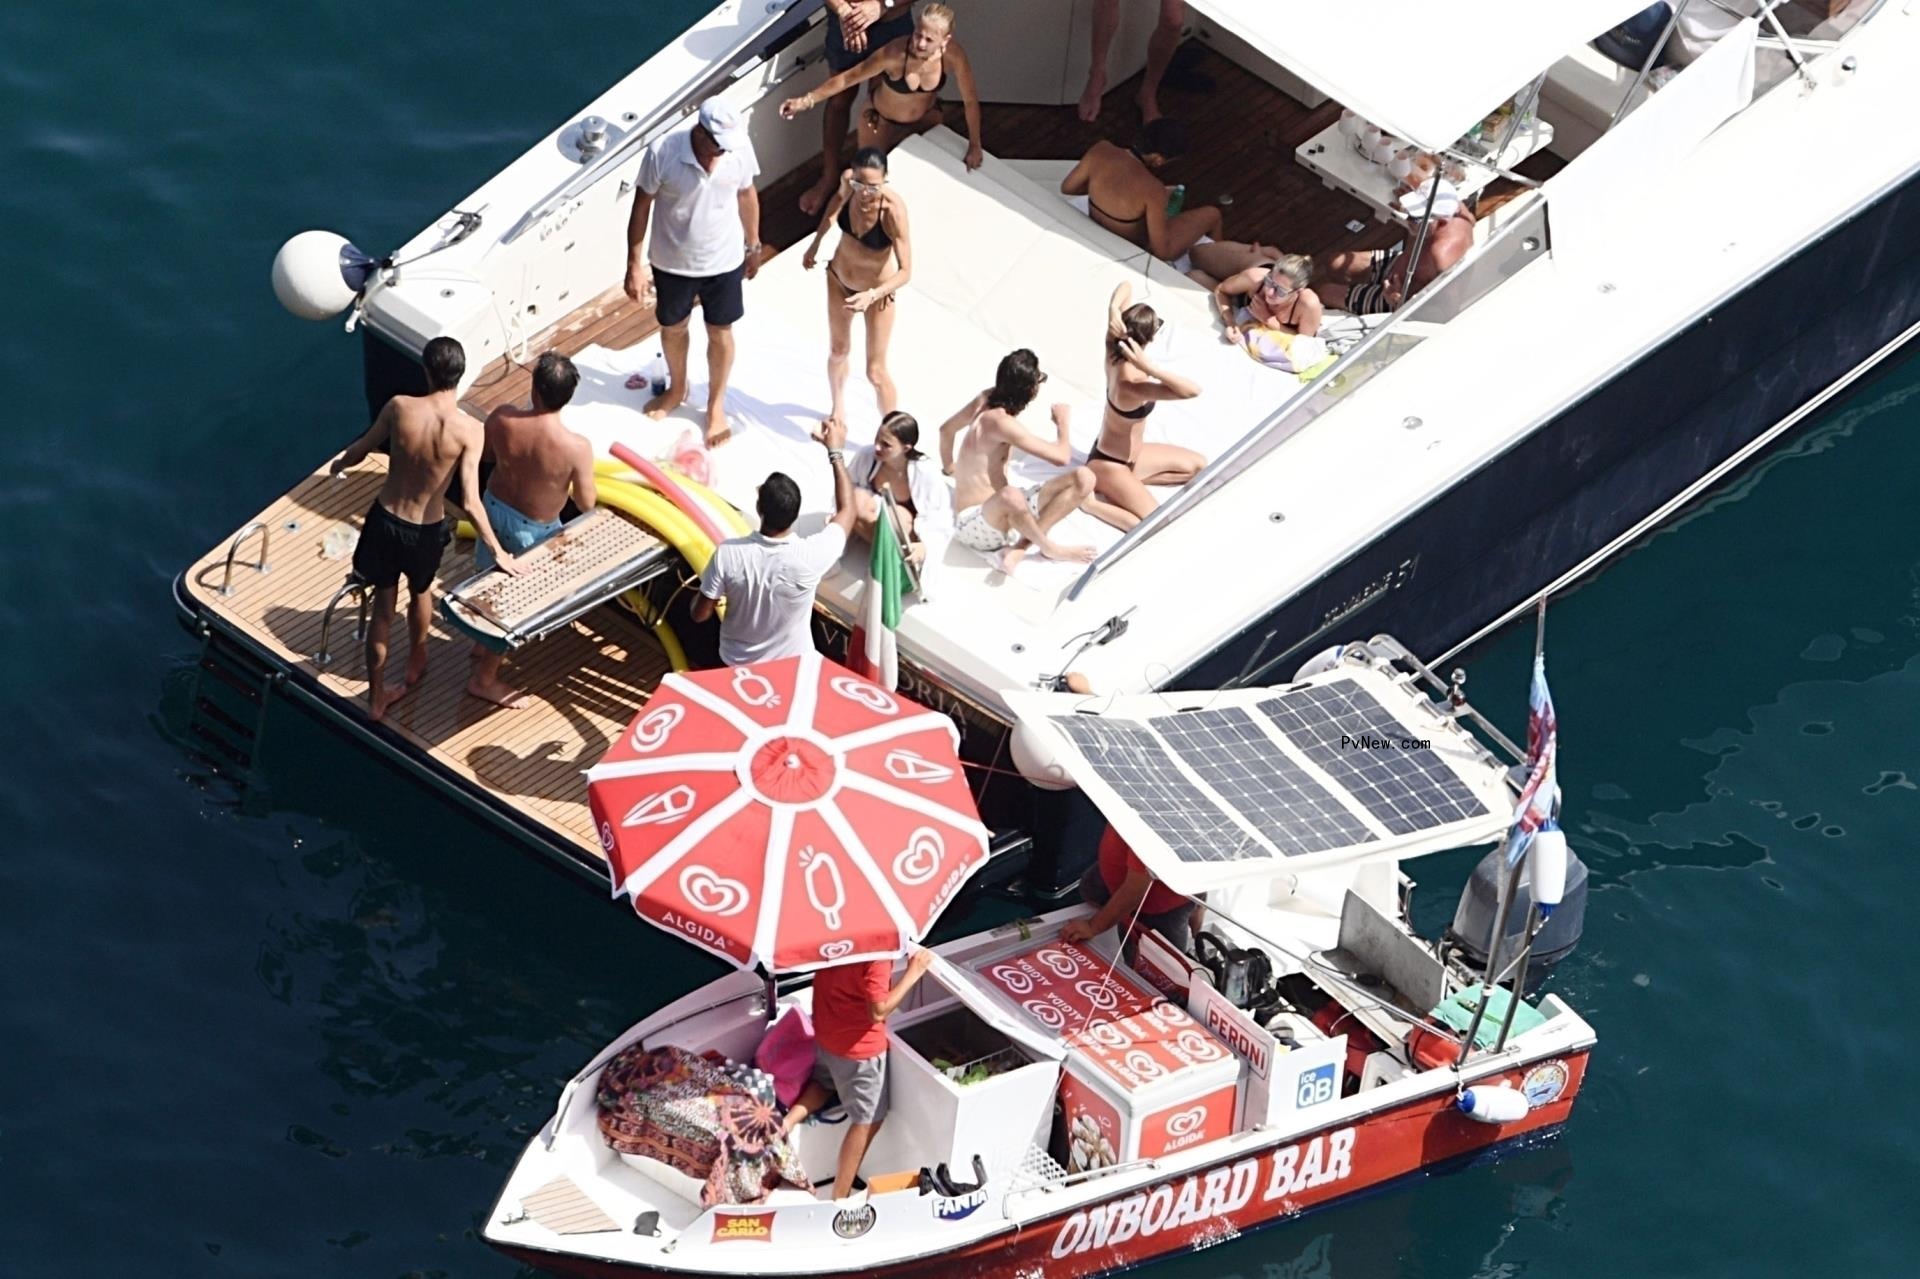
{"points": [[585, 681]]}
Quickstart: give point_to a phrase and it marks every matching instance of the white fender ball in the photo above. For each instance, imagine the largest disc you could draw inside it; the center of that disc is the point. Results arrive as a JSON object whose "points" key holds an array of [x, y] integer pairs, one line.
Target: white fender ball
{"points": [[317, 274], [1035, 758]]}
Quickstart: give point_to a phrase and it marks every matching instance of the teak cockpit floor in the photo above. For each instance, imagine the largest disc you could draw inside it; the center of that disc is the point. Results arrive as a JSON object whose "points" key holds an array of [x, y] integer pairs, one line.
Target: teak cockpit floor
{"points": [[584, 682]]}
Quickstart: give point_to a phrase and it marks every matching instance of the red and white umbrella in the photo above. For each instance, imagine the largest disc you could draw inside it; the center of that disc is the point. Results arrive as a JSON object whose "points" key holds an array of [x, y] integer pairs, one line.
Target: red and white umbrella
{"points": [[788, 814]]}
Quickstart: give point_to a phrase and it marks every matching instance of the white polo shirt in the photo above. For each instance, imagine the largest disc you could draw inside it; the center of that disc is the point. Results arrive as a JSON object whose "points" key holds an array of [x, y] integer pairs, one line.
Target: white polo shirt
{"points": [[768, 584], [695, 226]]}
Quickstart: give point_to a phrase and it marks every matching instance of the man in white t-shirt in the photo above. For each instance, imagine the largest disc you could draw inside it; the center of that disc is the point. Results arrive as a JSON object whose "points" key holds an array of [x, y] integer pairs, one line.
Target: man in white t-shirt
{"points": [[696, 188], [768, 578]]}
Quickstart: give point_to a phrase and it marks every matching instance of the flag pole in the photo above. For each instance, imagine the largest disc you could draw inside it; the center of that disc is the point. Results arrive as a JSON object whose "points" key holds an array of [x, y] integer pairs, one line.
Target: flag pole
{"points": [[1540, 629]]}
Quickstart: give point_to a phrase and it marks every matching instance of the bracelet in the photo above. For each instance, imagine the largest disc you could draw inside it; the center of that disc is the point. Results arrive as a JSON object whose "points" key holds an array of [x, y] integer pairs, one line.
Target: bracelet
{"points": [[837, 455]]}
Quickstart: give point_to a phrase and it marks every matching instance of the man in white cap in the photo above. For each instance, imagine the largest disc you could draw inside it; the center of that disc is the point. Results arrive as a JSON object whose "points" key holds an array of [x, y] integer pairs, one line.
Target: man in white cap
{"points": [[706, 239]]}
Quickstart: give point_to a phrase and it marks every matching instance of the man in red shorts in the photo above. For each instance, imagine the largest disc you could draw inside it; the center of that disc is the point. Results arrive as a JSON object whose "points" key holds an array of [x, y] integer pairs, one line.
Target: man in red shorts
{"points": [[1120, 884], [851, 1004]]}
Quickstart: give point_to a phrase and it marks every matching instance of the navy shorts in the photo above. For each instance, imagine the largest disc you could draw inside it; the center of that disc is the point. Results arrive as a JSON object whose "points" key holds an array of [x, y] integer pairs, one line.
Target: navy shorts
{"points": [[839, 57], [391, 548], [721, 299]]}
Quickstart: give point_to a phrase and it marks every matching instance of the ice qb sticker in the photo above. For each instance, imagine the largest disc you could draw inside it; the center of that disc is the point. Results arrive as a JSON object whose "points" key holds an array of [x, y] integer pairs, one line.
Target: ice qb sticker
{"points": [[1315, 1086]]}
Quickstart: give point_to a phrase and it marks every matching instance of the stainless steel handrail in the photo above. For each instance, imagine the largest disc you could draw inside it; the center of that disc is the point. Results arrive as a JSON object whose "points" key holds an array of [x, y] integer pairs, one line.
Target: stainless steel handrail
{"points": [[233, 549], [353, 583]]}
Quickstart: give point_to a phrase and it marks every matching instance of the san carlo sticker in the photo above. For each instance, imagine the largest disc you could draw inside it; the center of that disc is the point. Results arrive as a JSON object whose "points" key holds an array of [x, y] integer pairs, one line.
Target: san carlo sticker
{"points": [[732, 1227], [1544, 1083], [851, 1223]]}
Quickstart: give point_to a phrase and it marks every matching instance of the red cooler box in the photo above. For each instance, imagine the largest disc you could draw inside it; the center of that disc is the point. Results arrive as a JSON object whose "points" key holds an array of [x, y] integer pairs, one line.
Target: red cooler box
{"points": [[1142, 1077]]}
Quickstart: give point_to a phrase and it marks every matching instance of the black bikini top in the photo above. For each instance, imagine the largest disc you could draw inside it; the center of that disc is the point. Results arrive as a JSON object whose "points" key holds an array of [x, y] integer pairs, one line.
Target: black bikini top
{"points": [[899, 83], [876, 236], [1134, 416]]}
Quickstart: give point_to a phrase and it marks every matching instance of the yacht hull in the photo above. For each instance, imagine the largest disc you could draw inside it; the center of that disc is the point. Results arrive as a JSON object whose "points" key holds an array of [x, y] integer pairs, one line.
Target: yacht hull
{"points": [[1146, 1221], [1662, 431]]}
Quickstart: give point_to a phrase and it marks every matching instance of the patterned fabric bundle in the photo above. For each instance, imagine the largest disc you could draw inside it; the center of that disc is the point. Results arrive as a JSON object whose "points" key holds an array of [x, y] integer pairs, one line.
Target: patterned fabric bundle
{"points": [[702, 1118]]}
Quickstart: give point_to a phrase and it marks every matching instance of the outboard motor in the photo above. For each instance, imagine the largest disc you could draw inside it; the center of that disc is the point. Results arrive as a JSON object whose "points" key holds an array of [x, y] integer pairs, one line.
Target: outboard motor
{"points": [[1473, 919]]}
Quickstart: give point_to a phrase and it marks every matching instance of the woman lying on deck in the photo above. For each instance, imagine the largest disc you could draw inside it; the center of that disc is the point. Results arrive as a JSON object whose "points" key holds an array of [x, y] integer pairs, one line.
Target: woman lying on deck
{"points": [[873, 236], [1122, 462], [912, 70]]}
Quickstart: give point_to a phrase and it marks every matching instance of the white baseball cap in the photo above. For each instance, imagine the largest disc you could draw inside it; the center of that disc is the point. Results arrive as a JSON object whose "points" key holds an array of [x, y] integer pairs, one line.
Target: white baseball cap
{"points": [[724, 123]]}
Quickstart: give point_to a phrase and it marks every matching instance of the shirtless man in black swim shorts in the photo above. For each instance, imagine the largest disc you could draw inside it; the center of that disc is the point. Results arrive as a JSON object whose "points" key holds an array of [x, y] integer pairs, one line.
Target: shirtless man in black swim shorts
{"points": [[406, 527]]}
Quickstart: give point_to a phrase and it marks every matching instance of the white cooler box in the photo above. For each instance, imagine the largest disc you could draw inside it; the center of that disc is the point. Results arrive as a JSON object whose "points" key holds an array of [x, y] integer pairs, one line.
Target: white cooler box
{"points": [[1142, 1077]]}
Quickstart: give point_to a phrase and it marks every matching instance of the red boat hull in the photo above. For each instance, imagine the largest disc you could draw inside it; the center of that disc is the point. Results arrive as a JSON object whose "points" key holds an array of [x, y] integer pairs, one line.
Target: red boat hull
{"points": [[1211, 1204]]}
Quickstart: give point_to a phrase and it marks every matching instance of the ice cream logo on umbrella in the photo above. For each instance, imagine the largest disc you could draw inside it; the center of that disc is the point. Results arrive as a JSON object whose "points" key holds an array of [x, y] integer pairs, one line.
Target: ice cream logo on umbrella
{"points": [[825, 889], [1012, 980], [871, 696], [650, 731], [1060, 962], [836, 950], [1045, 1013], [1099, 994], [919, 861], [1186, 1122], [661, 808], [606, 837], [713, 894], [753, 688], [909, 767]]}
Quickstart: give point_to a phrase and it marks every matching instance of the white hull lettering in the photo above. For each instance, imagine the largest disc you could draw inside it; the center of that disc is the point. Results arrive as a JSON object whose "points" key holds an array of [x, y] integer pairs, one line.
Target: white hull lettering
{"points": [[1319, 1161]]}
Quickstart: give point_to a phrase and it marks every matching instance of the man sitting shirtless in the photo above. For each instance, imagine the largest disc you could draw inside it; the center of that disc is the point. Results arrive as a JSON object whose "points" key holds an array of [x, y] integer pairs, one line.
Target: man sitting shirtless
{"points": [[1126, 197], [428, 438], [1375, 280], [537, 465], [995, 517]]}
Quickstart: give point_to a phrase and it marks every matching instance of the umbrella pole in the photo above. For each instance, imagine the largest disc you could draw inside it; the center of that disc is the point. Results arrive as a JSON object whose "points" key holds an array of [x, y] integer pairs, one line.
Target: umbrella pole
{"points": [[772, 995]]}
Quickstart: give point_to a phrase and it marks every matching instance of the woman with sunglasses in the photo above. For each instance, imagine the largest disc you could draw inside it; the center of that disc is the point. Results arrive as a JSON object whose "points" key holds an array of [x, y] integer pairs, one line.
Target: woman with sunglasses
{"points": [[1274, 294], [873, 260], [1122, 462]]}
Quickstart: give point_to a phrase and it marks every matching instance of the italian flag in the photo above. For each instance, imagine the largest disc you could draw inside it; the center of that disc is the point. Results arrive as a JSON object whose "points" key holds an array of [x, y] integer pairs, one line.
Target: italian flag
{"points": [[872, 651]]}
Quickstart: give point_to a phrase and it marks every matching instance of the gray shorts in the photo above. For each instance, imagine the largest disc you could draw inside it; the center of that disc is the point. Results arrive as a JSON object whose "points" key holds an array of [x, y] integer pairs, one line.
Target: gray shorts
{"points": [[861, 1085]]}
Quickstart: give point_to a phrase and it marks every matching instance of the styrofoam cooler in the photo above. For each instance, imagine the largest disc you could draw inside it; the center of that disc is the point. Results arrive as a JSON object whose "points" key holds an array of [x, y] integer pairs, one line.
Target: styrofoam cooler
{"points": [[1142, 1077]]}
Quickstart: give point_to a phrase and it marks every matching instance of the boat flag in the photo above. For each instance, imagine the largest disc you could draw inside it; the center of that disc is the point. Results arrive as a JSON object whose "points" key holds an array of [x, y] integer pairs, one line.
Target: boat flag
{"points": [[872, 650], [1540, 796]]}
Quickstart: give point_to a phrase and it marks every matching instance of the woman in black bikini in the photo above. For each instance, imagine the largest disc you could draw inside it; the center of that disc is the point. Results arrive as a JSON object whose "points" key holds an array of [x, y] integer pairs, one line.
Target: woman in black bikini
{"points": [[1122, 462], [1275, 292], [873, 235], [912, 70]]}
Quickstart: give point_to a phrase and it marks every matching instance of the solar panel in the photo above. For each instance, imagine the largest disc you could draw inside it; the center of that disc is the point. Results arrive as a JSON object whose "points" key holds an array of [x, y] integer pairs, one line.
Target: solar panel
{"points": [[1406, 788], [1246, 767], [1133, 762]]}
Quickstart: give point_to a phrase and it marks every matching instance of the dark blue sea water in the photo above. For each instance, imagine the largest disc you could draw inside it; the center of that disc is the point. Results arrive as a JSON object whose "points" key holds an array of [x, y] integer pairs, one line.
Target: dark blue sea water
{"points": [[306, 1037]]}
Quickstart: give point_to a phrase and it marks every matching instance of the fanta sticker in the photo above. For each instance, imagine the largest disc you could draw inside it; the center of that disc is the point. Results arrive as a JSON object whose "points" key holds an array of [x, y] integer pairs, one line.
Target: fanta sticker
{"points": [[1544, 1083], [730, 1227]]}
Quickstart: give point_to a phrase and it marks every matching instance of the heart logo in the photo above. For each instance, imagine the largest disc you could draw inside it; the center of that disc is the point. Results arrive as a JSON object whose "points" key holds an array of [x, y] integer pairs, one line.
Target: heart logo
{"points": [[1099, 994], [874, 698], [1063, 965], [1108, 1035], [713, 894], [651, 731], [1144, 1065], [909, 767], [606, 837], [1045, 1013], [920, 860], [1012, 980], [1186, 1122], [1197, 1046], [836, 950], [661, 808]]}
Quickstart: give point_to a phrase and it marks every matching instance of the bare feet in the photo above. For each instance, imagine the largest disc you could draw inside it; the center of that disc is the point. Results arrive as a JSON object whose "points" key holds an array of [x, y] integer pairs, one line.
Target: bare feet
{"points": [[666, 402], [1009, 559], [383, 702], [814, 198], [416, 666], [1068, 554], [1149, 104], [1090, 97], [495, 691], [719, 430]]}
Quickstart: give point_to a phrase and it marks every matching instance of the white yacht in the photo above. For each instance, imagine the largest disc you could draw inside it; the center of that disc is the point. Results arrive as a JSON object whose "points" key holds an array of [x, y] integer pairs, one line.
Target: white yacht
{"points": [[1664, 280]]}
